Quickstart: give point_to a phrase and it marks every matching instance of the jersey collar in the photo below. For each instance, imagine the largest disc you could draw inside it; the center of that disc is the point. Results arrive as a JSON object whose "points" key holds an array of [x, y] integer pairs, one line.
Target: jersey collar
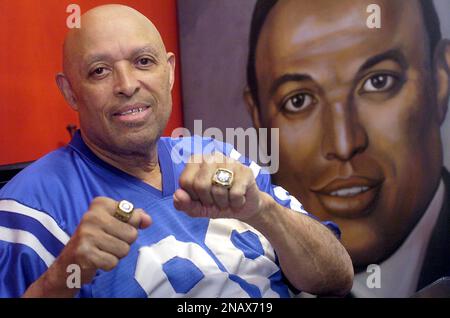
{"points": [[168, 182]]}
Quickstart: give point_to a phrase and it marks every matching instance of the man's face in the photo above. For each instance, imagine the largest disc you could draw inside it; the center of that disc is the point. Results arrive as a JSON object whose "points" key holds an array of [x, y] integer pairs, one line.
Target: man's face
{"points": [[359, 129], [121, 79]]}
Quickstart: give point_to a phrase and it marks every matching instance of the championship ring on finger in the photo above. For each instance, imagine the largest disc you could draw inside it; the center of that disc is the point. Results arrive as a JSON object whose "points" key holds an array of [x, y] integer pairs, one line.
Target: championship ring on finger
{"points": [[124, 211], [223, 177]]}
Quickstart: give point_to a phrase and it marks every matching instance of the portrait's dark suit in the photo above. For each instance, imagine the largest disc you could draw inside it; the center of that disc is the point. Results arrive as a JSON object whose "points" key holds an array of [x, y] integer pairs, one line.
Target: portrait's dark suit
{"points": [[437, 260]]}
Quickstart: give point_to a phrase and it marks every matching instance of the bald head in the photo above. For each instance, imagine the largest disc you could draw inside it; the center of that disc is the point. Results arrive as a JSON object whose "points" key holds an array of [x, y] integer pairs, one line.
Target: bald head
{"points": [[103, 23]]}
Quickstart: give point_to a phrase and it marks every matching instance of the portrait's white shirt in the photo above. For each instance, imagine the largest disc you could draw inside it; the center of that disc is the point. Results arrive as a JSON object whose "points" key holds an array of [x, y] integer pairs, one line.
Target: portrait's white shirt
{"points": [[400, 272]]}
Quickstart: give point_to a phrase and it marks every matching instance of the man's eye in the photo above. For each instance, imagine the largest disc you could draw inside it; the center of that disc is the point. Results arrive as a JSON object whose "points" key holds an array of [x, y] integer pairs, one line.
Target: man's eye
{"points": [[298, 102], [98, 71], [379, 83], [145, 61]]}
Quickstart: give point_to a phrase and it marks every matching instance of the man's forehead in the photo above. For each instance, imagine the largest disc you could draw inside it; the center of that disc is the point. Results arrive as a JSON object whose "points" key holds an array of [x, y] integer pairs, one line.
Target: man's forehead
{"points": [[109, 29], [311, 19], [313, 27], [112, 14]]}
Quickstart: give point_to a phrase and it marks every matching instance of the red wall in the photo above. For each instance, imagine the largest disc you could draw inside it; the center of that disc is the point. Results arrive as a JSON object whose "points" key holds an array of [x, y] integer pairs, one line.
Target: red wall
{"points": [[33, 114]]}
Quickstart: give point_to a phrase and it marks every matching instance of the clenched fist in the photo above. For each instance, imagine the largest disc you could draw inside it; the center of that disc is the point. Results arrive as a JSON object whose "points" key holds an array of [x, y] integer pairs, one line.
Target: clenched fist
{"points": [[99, 242], [199, 197]]}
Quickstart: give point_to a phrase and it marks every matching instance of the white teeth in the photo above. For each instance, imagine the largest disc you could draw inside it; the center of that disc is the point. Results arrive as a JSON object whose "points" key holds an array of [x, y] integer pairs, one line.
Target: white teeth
{"points": [[349, 192], [133, 111]]}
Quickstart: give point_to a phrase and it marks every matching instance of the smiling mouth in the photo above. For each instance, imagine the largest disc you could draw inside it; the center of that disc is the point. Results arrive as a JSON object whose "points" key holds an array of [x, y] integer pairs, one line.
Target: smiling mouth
{"points": [[349, 192], [133, 111], [349, 198]]}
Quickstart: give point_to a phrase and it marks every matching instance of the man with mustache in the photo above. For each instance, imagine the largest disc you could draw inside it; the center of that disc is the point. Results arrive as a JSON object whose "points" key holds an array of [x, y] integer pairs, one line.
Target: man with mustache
{"points": [[359, 112], [72, 212]]}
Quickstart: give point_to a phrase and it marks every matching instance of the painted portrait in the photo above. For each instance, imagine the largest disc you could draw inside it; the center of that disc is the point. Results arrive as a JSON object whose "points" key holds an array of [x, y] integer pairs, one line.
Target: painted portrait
{"points": [[359, 92]]}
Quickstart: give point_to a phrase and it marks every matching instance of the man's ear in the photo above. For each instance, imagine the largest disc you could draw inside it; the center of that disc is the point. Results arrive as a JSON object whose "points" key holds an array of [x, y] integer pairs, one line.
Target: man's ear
{"points": [[66, 90], [442, 58], [172, 62], [252, 108]]}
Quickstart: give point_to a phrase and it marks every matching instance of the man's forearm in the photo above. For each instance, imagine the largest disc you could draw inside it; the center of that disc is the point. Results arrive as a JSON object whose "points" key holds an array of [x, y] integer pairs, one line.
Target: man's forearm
{"points": [[51, 284], [311, 257]]}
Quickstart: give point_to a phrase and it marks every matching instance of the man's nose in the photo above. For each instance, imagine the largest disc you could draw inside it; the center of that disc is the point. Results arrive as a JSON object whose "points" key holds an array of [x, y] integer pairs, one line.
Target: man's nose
{"points": [[344, 136], [125, 82]]}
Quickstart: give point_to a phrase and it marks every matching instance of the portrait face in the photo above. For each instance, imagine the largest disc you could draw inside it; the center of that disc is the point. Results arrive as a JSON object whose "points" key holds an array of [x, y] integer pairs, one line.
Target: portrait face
{"points": [[120, 79], [358, 116]]}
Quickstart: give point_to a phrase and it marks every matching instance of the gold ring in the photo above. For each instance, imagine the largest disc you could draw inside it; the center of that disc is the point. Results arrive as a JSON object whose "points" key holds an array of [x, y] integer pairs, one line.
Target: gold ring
{"points": [[124, 211], [223, 177]]}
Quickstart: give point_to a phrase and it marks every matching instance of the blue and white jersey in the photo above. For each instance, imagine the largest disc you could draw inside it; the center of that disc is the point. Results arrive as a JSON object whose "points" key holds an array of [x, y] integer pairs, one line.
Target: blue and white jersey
{"points": [[177, 256]]}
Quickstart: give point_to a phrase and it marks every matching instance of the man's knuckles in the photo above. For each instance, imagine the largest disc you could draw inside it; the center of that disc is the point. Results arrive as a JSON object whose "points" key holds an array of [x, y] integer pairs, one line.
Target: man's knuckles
{"points": [[237, 198], [104, 261], [92, 217], [123, 250], [109, 265], [103, 203], [185, 181], [201, 186], [131, 234]]}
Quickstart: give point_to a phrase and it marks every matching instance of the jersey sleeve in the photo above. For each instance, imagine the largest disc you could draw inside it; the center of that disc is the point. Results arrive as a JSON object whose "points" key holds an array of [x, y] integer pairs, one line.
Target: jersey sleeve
{"points": [[30, 240], [20, 266]]}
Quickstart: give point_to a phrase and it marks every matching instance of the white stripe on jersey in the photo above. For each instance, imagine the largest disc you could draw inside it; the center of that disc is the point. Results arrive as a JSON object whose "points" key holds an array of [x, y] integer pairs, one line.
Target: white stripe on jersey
{"points": [[255, 168], [46, 220], [294, 204], [28, 239], [281, 193], [151, 277], [234, 154]]}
